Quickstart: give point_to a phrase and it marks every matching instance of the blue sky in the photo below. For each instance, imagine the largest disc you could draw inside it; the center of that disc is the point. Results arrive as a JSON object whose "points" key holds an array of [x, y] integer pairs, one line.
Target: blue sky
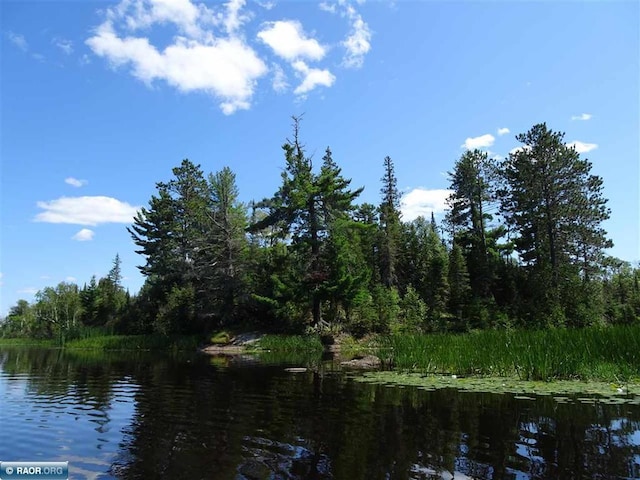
{"points": [[100, 100]]}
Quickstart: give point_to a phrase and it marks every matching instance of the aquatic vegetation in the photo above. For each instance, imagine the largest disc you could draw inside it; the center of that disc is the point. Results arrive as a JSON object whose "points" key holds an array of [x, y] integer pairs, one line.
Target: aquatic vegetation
{"points": [[308, 344], [560, 390], [605, 353], [136, 342]]}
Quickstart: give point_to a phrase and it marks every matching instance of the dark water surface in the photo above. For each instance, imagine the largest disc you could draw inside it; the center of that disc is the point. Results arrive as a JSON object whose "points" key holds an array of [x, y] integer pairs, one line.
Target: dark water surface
{"points": [[143, 416]]}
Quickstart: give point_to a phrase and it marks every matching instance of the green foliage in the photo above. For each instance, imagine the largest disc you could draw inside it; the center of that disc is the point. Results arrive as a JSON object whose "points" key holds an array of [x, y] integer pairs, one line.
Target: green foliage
{"points": [[390, 225], [412, 314], [178, 313], [136, 342], [555, 206], [309, 257], [291, 343], [305, 209], [220, 338], [586, 353]]}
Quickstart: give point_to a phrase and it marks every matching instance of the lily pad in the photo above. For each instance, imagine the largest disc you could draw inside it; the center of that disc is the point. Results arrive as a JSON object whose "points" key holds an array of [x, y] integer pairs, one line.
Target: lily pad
{"points": [[561, 390]]}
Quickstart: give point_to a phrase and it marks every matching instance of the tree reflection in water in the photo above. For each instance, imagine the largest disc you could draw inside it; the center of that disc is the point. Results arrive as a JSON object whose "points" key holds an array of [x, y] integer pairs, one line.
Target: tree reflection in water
{"points": [[190, 419]]}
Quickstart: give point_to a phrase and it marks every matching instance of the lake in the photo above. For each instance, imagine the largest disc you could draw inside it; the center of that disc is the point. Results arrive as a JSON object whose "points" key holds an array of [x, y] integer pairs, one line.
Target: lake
{"points": [[138, 415]]}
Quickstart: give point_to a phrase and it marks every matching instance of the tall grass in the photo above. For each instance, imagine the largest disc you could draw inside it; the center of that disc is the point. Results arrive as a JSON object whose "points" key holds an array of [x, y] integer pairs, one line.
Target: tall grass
{"points": [[31, 342], [611, 353], [291, 343], [135, 342]]}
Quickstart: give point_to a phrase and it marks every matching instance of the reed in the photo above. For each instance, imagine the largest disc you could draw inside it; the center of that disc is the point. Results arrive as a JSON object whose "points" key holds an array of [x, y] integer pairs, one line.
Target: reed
{"points": [[28, 342], [605, 353], [291, 343], [135, 342]]}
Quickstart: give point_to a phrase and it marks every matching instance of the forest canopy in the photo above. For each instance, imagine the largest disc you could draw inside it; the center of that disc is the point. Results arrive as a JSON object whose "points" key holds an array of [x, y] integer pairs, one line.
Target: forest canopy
{"points": [[522, 245]]}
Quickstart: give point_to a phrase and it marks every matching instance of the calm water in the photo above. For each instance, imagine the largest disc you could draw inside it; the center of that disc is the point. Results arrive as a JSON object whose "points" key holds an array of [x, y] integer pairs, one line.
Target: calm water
{"points": [[139, 416]]}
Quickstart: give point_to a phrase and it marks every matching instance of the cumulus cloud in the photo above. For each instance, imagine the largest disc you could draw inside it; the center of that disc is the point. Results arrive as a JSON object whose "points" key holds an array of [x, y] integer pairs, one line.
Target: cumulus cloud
{"points": [[223, 66], [522, 148], [582, 147], [279, 82], [358, 43], [503, 131], [584, 116], [74, 182], [312, 78], [212, 52], [18, 40], [328, 7], [485, 140], [65, 45], [288, 40], [86, 211], [84, 235], [422, 202], [70, 279]]}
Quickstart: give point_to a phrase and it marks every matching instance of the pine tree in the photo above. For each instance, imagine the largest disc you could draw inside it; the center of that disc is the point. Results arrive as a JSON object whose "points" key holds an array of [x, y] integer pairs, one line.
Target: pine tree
{"points": [[472, 185], [304, 208], [556, 208]]}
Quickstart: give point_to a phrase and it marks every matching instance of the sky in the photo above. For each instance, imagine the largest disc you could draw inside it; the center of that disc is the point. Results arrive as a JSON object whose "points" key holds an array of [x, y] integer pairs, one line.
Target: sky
{"points": [[100, 100]]}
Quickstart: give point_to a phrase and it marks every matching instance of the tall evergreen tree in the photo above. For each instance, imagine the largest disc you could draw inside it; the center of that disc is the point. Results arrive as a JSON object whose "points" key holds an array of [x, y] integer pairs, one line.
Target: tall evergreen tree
{"points": [[304, 208], [556, 208], [171, 234], [472, 184], [225, 244], [390, 227]]}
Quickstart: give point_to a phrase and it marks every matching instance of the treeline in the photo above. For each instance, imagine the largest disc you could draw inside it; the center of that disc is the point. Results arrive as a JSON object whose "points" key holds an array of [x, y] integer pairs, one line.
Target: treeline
{"points": [[522, 245]]}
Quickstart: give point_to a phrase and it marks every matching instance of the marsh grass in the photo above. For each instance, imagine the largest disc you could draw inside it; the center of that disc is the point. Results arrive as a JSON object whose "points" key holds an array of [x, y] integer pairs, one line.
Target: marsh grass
{"points": [[611, 353], [309, 344], [135, 342], [29, 342]]}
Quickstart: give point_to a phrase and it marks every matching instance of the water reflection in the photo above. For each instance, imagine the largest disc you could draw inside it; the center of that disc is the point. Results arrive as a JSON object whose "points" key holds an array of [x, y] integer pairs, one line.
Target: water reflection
{"points": [[142, 416]]}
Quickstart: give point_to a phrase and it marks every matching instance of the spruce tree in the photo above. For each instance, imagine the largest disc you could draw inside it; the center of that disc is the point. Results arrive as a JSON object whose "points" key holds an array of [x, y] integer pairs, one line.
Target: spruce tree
{"points": [[390, 227]]}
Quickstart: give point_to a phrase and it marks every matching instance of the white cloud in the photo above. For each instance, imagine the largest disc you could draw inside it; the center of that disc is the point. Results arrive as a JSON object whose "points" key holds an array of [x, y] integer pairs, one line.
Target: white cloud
{"points": [[503, 131], [75, 182], [513, 151], [84, 235], [279, 82], [18, 40], [421, 202], [266, 5], [288, 40], [582, 147], [485, 140], [224, 67], [28, 290], [86, 211], [65, 45], [358, 43], [328, 7], [312, 78], [234, 17], [584, 116], [71, 279]]}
